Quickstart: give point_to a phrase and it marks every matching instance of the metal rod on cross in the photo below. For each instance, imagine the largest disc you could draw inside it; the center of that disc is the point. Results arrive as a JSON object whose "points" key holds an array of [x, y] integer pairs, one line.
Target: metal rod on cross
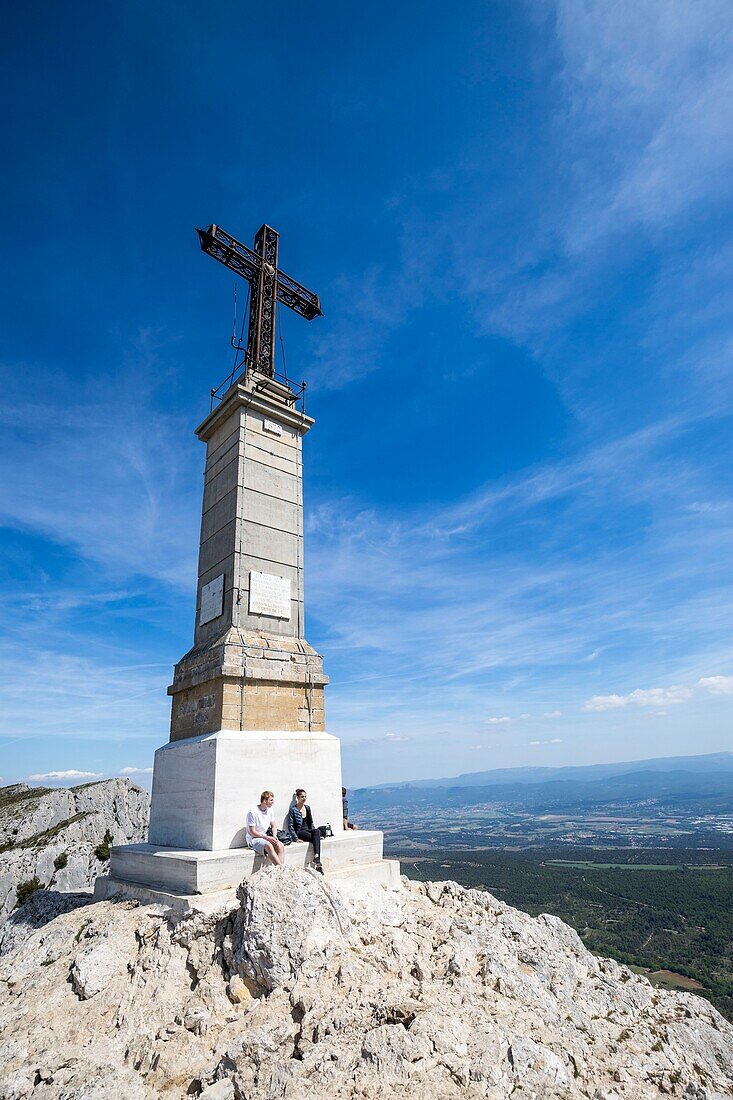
{"points": [[268, 285]]}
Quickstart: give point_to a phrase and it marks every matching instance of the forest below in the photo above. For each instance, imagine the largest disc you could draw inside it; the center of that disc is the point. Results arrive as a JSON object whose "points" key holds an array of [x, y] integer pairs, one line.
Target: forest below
{"points": [[667, 912]]}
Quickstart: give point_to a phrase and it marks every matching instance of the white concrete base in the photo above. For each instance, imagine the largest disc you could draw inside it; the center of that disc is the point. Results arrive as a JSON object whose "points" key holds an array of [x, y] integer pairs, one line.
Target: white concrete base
{"points": [[184, 872], [204, 786], [106, 887]]}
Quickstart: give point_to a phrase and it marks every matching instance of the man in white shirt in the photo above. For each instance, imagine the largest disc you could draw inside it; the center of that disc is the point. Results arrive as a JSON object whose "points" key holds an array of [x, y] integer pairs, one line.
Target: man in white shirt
{"points": [[259, 821]]}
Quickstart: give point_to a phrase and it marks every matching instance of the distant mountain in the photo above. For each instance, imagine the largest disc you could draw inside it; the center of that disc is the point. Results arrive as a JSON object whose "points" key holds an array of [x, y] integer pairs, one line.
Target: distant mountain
{"points": [[58, 838], [697, 784], [709, 762], [711, 792]]}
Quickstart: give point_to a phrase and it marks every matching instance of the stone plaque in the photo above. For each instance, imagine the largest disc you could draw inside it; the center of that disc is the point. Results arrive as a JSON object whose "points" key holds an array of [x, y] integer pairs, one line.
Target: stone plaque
{"points": [[269, 595], [212, 600], [272, 427]]}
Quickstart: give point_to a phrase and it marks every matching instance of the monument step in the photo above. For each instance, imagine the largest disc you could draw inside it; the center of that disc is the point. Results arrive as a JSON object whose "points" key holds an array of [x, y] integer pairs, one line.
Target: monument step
{"points": [[185, 871], [384, 872]]}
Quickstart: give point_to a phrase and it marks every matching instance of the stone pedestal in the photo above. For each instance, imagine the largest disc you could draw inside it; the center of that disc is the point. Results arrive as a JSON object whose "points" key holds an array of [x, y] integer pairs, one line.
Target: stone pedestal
{"points": [[247, 710], [203, 786]]}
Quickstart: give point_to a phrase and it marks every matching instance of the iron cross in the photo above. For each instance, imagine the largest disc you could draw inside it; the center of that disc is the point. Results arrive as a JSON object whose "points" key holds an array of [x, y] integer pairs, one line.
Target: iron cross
{"points": [[268, 285]]}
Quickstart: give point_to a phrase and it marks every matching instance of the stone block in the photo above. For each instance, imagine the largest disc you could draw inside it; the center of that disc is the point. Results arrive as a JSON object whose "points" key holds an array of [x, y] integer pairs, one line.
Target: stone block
{"points": [[219, 514], [275, 483], [230, 442], [223, 429], [271, 512], [218, 550], [273, 547], [203, 786], [218, 484], [255, 453]]}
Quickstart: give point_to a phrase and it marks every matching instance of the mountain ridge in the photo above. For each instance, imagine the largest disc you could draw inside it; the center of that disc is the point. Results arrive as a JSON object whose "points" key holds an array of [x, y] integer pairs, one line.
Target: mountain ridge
{"points": [[533, 774]]}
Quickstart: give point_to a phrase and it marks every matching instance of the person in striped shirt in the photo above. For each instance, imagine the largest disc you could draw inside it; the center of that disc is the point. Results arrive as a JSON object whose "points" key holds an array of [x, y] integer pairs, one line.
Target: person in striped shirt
{"points": [[301, 827]]}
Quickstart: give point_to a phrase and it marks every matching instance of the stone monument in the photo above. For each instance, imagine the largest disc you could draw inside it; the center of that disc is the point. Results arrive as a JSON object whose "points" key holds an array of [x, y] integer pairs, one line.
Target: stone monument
{"points": [[248, 698]]}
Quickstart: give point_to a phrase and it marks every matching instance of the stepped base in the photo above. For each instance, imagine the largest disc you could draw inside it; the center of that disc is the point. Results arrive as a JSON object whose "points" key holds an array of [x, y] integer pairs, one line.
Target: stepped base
{"points": [[175, 876]]}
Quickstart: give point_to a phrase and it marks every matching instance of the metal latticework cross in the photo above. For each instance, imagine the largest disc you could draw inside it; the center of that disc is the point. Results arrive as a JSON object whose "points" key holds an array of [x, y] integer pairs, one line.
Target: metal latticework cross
{"points": [[268, 285]]}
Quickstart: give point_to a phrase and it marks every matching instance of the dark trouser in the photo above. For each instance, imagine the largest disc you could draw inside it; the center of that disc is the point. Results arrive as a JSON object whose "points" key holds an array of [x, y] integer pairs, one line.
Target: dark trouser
{"points": [[313, 838]]}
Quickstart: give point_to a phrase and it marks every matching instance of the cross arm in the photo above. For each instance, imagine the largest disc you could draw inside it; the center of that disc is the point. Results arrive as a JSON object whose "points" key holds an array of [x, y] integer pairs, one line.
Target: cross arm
{"points": [[245, 262], [229, 251], [292, 294]]}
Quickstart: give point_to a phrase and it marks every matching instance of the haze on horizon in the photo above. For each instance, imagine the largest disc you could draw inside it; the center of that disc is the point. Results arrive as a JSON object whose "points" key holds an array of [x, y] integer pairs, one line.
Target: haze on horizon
{"points": [[518, 491]]}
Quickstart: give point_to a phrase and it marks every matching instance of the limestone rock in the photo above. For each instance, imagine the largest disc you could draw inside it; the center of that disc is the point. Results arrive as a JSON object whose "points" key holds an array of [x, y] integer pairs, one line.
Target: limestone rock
{"points": [[51, 835], [305, 987], [238, 990]]}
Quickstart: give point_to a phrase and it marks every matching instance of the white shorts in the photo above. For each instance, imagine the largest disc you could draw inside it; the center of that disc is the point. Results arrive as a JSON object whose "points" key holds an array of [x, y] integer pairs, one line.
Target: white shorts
{"points": [[257, 844]]}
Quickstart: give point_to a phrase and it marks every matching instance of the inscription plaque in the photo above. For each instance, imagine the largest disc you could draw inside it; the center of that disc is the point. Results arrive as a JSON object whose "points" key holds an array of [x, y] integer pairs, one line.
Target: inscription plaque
{"points": [[269, 595], [212, 600], [272, 426]]}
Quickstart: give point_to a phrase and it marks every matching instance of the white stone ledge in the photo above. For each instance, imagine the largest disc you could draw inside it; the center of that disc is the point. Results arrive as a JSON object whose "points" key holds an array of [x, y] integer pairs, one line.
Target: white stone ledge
{"points": [[183, 871]]}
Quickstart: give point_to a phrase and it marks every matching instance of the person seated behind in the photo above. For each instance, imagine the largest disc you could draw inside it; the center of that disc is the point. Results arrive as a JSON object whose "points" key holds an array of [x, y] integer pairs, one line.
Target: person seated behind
{"points": [[345, 805], [260, 820], [301, 827]]}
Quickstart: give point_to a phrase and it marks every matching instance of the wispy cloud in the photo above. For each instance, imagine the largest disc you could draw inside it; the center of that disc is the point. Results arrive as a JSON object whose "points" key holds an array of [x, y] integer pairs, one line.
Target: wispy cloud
{"points": [[63, 776], [381, 739], [86, 697], [550, 741], [642, 697], [75, 469]]}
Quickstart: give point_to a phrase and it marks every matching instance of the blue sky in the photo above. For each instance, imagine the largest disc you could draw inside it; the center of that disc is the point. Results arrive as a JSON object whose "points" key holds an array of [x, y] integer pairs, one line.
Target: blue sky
{"points": [[519, 492]]}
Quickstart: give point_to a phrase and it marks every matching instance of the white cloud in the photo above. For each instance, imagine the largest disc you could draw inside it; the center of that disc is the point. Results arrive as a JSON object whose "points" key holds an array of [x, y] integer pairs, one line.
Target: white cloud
{"points": [[550, 741], [382, 739], [136, 771], [39, 777], [498, 721], [642, 697], [717, 685], [552, 714]]}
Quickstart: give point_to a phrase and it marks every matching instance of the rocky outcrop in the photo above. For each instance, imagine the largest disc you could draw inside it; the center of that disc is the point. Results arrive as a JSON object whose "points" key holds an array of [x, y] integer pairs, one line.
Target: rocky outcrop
{"points": [[50, 835], [304, 988]]}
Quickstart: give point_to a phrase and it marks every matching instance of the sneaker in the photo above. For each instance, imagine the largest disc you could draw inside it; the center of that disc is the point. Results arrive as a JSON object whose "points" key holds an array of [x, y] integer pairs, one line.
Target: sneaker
{"points": [[319, 868]]}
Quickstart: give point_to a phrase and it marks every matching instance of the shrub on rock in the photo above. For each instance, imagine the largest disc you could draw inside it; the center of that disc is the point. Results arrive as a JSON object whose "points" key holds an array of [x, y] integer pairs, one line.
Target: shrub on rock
{"points": [[102, 850], [24, 890]]}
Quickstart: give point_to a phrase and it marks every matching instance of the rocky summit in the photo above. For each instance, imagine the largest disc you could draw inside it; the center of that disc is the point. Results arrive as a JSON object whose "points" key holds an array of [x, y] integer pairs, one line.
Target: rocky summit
{"points": [[299, 987], [60, 838]]}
